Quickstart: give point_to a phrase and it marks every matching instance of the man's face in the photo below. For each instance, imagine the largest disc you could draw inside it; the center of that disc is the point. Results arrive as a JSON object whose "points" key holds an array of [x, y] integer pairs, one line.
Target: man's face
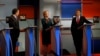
{"points": [[78, 13], [17, 13]]}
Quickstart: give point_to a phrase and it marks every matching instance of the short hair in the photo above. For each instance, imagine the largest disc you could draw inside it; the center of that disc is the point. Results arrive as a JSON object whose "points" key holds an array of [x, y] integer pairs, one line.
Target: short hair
{"points": [[78, 10], [14, 11]]}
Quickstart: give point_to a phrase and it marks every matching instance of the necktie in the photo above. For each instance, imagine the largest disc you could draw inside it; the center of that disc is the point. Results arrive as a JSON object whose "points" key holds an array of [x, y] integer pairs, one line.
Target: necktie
{"points": [[78, 20]]}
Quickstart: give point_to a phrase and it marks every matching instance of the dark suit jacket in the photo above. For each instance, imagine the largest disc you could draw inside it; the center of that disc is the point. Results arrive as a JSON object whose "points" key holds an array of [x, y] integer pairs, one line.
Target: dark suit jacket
{"points": [[14, 23], [78, 33]]}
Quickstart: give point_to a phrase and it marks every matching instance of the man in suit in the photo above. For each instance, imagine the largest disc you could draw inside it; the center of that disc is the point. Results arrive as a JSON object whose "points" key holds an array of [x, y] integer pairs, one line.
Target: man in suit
{"points": [[77, 33], [14, 23]]}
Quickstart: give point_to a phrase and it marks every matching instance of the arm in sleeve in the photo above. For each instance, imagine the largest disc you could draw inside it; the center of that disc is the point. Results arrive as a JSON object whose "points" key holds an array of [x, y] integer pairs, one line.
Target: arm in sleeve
{"points": [[12, 22], [43, 23], [72, 25], [85, 20]]}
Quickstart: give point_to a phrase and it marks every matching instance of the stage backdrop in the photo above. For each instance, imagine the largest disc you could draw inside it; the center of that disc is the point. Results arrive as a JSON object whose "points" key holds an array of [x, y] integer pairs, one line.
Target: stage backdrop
{"points": [[89, 8]]}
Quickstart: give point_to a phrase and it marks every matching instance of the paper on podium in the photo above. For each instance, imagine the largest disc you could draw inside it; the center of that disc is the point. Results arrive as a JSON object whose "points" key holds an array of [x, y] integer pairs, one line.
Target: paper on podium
{"points": [[84, 25]]}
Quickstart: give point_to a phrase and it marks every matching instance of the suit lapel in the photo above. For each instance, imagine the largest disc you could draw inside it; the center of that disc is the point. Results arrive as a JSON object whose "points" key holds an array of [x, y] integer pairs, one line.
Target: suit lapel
{"points": [[14, 18], [79, 21], [75, 20]]}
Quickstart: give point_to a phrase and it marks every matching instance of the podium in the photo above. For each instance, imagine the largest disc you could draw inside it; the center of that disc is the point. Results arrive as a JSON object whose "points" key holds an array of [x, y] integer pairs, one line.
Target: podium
{"points": [[6, 43], [57, 34], [87, 37], [30, 41]]}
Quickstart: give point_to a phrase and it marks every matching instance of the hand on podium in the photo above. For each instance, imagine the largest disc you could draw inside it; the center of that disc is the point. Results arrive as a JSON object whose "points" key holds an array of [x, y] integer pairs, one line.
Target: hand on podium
{"points": [[81, 27], [49, 28], [22, 29]]}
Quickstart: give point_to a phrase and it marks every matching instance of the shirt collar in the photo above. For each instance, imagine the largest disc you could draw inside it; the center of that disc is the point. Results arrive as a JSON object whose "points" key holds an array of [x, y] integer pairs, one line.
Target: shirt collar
{"points": [[78, 17], [15, 16]]}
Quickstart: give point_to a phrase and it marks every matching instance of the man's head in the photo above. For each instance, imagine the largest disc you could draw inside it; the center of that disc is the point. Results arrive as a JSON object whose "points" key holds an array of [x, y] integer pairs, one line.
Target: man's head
{"points": [[15, 11], [45, 13], [78, 12]]}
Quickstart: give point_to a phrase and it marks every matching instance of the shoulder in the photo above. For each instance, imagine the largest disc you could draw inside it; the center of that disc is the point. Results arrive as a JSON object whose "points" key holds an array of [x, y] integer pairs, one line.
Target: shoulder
{"points": [[43, 20], [11, 17], [82, 16], [73, 18]]}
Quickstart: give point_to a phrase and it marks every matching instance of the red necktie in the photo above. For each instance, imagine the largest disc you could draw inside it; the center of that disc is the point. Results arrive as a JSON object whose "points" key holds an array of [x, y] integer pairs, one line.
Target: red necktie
{"points": [[77, 20]]}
